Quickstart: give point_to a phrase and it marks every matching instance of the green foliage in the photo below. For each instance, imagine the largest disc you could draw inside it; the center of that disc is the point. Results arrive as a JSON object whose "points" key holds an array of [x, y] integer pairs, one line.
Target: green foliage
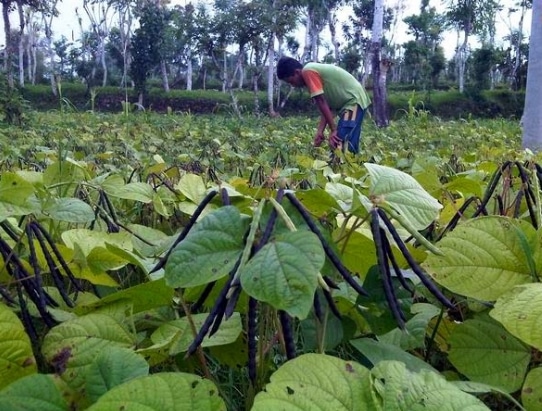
{"points": [[167, 244]]}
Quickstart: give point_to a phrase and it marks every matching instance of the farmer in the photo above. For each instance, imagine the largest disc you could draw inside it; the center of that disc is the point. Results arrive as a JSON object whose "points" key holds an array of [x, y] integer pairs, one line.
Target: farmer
{"points": [[331, 88]]}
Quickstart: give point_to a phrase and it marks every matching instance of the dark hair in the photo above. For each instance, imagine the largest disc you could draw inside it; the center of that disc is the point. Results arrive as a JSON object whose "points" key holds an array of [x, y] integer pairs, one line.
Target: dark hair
{"points": [[287, 66]]}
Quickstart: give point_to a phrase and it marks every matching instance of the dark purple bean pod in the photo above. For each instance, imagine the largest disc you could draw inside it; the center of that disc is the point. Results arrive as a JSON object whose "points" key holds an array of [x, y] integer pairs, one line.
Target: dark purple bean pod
{"points": [[252, 342], [186, 229], [16, 269], [330, 283], [33, 260], [201, 299], [457, 216], [343, 271], [426, 281], [218, 307], [331, 304], [268, 231], [219, 317], [225, 197], [384, 269], [317, 307], [53, 269], [517, 203], [26, 318], [526, 182], [6, 295], [232, 301], [288, 334], [396, 268], [9, 231], [491, 187], [39, 229]]}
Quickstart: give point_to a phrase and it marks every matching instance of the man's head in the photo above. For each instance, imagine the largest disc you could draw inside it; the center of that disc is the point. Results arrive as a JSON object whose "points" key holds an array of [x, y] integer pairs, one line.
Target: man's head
{"points": [[289, 70]]}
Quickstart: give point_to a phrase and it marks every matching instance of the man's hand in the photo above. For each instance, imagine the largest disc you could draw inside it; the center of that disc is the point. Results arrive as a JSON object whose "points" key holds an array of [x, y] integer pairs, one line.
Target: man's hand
{"points": [[334, 140], [318, 139]]}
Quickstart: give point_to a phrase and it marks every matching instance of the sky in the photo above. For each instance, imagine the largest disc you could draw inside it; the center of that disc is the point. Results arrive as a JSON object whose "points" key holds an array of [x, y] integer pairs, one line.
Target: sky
{"points": [[67, 25]]}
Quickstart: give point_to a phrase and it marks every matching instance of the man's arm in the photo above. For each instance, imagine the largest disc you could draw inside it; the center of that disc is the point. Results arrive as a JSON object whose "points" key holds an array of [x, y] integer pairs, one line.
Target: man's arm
{"points": [[327, 118]]}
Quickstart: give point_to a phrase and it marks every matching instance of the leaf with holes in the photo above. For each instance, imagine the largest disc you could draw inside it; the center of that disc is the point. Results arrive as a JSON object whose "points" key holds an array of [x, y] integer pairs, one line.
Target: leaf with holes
{"points": [[520, 311], [318, 382], [16, 357], [483, 258], [484, 351], [161, 392]]}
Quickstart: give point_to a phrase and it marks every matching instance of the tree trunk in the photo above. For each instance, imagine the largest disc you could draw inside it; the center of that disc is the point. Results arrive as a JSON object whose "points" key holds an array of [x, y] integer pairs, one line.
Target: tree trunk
{"points": [[532, 120], [306, 56], [462, 59], [165, 81], [8, 69], [514, 81], [271, 74], [380, 68], [332, 22], [21, 42], [189, 69]]}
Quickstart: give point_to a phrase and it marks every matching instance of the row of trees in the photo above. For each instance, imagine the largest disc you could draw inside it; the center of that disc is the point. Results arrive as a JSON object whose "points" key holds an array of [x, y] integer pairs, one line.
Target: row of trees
{"points": [[234, 40]]}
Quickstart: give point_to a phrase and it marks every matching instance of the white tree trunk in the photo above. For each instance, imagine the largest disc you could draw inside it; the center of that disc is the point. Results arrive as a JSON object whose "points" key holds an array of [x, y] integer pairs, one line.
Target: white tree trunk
{"points": [[532, 114], [21, 42], [189, 69], [271, 74], [165, 81], [332, 23]]}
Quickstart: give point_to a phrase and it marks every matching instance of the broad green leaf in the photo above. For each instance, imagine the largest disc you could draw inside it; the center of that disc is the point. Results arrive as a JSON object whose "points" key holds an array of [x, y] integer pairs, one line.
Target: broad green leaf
{"points": [[64, 172], [192, 187], [16, 357], [318, 382], [149, 241], [402, 389], [33, 393], [415, 332], [209, 251], [101, 260], [350, 248], [317, 201], [144, 297], [71, 347], [342, 194], [167, 391], [466, 186], [71, 210], [531, 393], [137, 191], [284, 273], [520, 311], [14, 189], [113, 367], [485, 352], [377, 351], [484, 257], [178, 335], [87, 240], [404, 194]]}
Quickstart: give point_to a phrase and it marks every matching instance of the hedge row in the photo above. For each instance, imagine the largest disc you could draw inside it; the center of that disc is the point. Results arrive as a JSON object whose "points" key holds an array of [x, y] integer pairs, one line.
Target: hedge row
{"points": [[444, 104]]}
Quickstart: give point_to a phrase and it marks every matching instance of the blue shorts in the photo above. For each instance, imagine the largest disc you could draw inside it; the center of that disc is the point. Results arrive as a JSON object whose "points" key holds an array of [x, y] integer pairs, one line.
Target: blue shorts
{"points": [[349, 128]]}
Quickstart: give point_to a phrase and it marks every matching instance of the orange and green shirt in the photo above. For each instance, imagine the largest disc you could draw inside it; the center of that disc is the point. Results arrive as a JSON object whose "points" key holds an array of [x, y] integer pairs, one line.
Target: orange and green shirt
{"points": [[340, 88]]}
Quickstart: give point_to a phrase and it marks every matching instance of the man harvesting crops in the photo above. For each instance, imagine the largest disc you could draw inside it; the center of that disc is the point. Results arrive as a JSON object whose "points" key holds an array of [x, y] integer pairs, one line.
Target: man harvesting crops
{"points": [[333, 90]]}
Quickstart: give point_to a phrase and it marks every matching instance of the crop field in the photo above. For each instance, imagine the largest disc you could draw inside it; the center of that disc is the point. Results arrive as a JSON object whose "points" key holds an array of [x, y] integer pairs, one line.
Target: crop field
{"points": [[181, 262]]}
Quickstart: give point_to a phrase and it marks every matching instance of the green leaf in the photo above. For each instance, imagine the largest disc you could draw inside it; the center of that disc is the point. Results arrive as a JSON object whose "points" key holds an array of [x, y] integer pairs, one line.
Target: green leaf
{"points": [[318, 382], [144, 297], [531, 393], [14, 196], [377, 351], [16, 357], [209, 251], [404, 194], [162, 392], [483, 258], [405, 390], [71, 210], [317, 201], [71, 347], [32, 393], [284, 273], [415, 328], [137, 191], [192, 187], [111, 368], [87, 240], [178, 335], [485, 352], [520, 311]]}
